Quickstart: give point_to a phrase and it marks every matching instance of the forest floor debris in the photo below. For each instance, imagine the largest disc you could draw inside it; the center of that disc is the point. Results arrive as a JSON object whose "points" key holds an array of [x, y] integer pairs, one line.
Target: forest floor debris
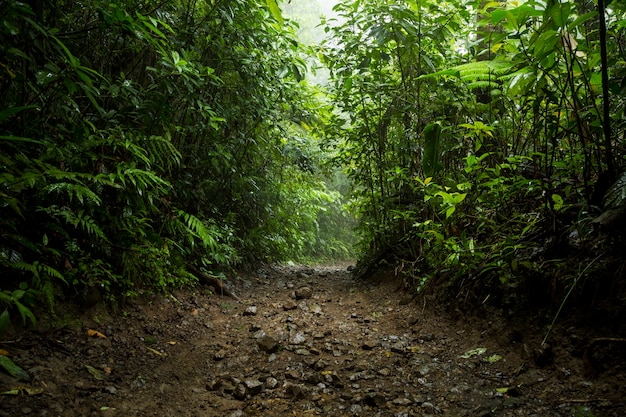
{"points": [[303, 341]]}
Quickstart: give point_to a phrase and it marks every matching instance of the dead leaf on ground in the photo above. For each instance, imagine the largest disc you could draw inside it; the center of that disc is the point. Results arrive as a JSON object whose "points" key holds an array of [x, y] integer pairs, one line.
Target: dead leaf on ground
{"points": [[23, 390], [95, 333], [156, 352], [4, 352], [94, 372]]}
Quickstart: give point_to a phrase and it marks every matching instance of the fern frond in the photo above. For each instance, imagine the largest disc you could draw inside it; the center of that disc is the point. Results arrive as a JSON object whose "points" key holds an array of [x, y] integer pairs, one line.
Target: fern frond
{"points": [[79, 220], [78, 191], [162, 151], [197, 229]]}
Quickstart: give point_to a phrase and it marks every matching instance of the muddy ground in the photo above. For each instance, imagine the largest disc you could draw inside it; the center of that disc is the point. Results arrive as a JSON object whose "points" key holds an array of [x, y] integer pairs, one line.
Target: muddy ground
{"points": [[304, 341]]}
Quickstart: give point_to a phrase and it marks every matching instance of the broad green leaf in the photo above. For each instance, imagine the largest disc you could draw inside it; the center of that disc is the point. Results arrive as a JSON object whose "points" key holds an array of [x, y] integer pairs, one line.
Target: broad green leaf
{"points": [[5, 321], [275, 10], [13, 369]]}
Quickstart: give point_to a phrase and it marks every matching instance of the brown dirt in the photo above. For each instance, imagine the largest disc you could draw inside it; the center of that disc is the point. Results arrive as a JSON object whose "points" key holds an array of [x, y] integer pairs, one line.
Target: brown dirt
{"points": [[351, 348]]}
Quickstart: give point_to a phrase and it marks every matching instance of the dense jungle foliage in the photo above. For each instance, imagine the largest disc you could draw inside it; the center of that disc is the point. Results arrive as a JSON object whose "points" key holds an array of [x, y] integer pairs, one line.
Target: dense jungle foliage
{"points": [[145, 144], [484, 140]]}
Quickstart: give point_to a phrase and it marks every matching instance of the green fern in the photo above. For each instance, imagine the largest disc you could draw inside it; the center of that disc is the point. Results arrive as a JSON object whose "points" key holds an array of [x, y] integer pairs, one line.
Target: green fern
{"points": [[79, 220], [196, 228], [80, 192], [478, 74]]}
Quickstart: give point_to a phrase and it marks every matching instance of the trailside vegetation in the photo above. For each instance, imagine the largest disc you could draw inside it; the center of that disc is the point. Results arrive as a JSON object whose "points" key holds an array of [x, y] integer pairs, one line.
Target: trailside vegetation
{"points": [[484, 140], [144, 144]]}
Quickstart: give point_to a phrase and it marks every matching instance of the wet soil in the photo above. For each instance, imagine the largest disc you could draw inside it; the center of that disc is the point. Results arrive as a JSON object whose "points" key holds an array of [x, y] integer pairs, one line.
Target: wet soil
{"points": [[303, 341]]}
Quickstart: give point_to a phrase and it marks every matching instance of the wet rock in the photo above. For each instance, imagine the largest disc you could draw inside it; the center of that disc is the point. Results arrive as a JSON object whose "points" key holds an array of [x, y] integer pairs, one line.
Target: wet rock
{"points": [[402, 401], [303, 293], [271, 383], [239, 392], [375, 399], [320, 365], [248, 388], [250, 311], [293, 374], [356, 409], [258, 334], [295, 392], [316, 309], [253, 386], [268, 344], [398, 347], [289, 305], [219, 355], [315, 378], [298, 339], [427, 337], [213, 385], [370, 344]]}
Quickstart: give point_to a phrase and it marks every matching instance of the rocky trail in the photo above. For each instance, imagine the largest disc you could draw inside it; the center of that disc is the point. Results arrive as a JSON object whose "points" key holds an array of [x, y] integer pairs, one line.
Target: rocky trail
{"points": [[303, 341]]}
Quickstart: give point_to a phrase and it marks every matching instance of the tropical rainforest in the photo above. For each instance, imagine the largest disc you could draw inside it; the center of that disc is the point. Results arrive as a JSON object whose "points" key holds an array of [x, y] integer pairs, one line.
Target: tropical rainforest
{"points": [[472, 145]]}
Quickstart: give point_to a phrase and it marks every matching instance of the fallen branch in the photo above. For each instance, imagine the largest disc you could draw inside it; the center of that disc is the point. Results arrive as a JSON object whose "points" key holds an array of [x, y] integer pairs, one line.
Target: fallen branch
{"points": [[212, 280]]}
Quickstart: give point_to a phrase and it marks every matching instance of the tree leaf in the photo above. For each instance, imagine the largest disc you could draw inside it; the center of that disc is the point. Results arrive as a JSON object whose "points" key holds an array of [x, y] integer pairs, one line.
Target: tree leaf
{"points": [[13, 369], [275, 10]]}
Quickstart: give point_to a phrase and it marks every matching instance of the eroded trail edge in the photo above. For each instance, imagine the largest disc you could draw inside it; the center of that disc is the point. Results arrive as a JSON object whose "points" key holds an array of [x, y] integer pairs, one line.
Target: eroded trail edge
{"points": [[300, 341]]}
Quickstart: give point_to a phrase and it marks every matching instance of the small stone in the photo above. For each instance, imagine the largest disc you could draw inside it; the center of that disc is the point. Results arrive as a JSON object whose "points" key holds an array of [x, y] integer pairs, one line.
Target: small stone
{"points": [[250, 311], [219, 355], [402, 401], [289, 305], [303, 352], [398, 347], [240, 392], [253, 386], [303, 293], [430, 407], [268, 344], [298, 339], [295, 392], [213, 385], [427, 337], [111, 389], [384, 372], [413, 320], [320, 365], [356, 409], [314, 379], [375, 399], [369, 345], [258, 334], [293, 374], [271, 382]]}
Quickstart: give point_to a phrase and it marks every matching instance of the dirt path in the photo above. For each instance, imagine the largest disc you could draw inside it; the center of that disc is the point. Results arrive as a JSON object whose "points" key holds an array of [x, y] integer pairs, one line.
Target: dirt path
{"points": [[299, 342]]}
